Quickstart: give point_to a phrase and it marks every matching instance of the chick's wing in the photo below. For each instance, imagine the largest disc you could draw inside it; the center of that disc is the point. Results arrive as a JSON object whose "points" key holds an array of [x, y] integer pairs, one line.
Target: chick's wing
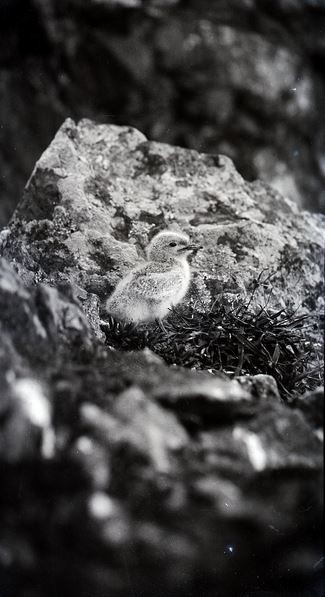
{"points": [[151, 284]]}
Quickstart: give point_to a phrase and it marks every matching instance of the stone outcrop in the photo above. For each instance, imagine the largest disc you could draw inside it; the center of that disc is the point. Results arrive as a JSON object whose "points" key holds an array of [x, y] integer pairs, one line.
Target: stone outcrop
{"points": [[117, 468], [99, 193], [242, 78]]}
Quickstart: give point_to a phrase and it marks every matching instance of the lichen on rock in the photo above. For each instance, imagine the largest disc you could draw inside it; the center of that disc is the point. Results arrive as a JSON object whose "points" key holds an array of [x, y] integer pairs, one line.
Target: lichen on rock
{"points": [[99, 193]]}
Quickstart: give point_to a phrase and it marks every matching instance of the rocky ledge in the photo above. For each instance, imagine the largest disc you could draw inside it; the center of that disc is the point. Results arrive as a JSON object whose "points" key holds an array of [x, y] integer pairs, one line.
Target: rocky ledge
{"points": [[119, 468]]}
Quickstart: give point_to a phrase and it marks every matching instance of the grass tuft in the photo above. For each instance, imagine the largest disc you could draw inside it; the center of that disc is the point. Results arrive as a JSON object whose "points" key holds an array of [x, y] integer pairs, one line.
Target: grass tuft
{"points": [[239, 341]]}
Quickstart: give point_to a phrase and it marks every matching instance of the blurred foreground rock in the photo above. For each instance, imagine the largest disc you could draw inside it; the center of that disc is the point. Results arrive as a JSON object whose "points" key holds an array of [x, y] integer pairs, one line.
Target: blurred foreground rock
{"points": [[242, 78], [118, 470]]}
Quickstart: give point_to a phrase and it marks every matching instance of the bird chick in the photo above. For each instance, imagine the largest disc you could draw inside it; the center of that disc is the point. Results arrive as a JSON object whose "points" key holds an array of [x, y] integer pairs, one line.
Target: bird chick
{"points": [[148, 292]]}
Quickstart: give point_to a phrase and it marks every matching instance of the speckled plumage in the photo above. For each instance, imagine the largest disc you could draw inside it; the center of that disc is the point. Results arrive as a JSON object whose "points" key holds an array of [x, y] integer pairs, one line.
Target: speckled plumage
{"points": [[150, 290]]}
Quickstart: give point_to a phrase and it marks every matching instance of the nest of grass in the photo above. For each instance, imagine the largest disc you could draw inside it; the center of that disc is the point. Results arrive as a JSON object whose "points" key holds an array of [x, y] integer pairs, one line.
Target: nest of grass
{"points": [[239, 341]]}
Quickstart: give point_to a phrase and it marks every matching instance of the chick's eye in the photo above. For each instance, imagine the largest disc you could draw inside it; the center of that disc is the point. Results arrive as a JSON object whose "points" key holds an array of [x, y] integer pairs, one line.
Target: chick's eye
{"points": [[172, 244]]}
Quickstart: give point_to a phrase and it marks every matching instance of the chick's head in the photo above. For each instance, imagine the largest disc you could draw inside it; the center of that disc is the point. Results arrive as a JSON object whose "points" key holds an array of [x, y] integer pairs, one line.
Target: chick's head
{"points": [[168, 245]]}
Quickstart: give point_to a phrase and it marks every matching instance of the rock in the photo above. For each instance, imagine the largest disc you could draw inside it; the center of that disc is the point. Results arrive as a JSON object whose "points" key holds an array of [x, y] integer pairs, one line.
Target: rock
{"points": [[139, 428], [205, 397], [35, 325], [241, 78], [112, 459], [99, 193], [40, 316], [27, 430], [311, 404]]}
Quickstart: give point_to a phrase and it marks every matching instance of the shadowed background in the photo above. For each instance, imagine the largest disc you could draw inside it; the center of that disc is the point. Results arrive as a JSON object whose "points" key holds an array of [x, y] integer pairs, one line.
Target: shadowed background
{"points": [[239, 77]]}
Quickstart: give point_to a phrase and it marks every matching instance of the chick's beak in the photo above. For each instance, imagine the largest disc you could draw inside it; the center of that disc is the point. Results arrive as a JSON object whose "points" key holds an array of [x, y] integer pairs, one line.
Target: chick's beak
{"points": [[194, 247], [190, 248]]}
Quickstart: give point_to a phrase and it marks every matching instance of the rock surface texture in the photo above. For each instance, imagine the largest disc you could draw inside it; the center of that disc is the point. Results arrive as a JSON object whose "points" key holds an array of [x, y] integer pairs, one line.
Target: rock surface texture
{"points": [[117, 468], [240, 77], [99, 193]]}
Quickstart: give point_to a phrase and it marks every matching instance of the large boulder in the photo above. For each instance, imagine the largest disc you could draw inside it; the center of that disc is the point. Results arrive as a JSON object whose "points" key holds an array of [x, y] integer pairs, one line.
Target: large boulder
{"points": [[117, 468], [99, 193]]}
